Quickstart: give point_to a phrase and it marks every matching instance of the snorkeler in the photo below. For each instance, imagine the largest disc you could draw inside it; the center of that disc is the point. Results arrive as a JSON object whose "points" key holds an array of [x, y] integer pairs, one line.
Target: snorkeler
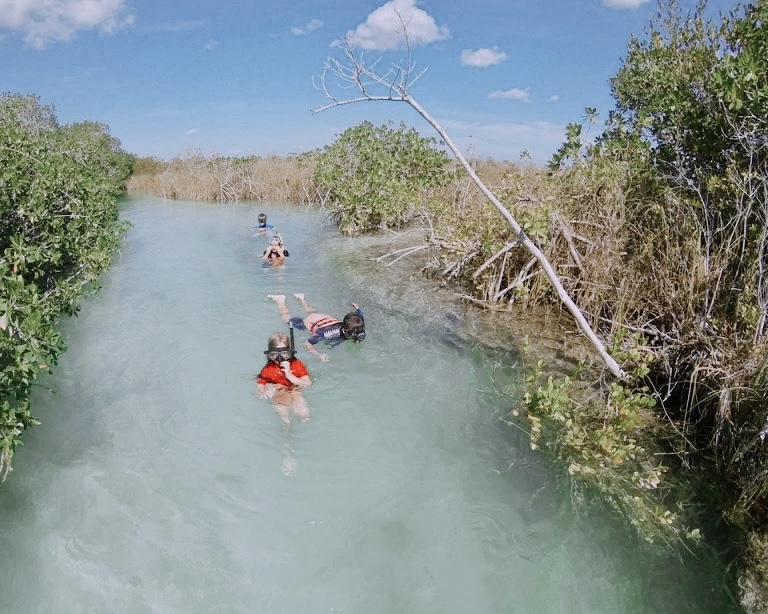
{"points": [[275, 253], [322, 326], [282, 380], [263, 227]]}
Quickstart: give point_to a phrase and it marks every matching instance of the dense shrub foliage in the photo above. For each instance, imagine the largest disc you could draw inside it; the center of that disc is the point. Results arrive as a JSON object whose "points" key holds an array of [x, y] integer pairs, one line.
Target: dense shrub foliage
{"points": [[58, 231], [696, 94], [378, 176]]}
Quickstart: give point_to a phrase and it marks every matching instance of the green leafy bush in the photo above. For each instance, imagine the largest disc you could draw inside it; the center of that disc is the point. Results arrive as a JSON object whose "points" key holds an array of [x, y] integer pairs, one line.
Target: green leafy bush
{"points": [[605, 447], [58, 230], [378, 176]]}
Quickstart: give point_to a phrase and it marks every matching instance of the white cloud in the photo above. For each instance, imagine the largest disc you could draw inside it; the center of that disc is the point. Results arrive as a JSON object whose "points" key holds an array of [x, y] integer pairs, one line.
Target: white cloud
{"points": [[482, 57], [553, 98], [191, 132], [310, 26], [623, 4], [383, 29], [211, 44], [42, 22], [514, 94]]}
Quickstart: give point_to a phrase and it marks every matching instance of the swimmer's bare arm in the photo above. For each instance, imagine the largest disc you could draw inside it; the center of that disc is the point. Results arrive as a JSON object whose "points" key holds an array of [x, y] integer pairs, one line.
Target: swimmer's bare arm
{"points": [[312, 350], [267, 391], [302, 381]]}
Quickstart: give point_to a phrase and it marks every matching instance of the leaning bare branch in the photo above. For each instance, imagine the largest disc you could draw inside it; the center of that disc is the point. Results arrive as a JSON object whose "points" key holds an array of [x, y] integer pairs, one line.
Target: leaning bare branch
{"points": [[488, 262], [523, 275], [356, 74], [569, 236], [405, 251]]}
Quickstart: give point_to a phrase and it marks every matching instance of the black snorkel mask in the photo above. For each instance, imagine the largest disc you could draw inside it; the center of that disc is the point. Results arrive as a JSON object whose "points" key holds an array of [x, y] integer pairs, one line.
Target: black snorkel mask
{"points": [[280, 355], [356, 335]]}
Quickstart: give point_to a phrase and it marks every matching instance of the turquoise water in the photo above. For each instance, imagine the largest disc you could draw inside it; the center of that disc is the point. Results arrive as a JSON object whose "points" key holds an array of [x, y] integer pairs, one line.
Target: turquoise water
{"points": [[158, 482]]}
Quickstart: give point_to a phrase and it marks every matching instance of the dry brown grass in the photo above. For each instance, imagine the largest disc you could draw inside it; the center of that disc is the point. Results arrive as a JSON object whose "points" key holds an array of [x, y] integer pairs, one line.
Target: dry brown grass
{"points": [[196, 177], [629, 252]]}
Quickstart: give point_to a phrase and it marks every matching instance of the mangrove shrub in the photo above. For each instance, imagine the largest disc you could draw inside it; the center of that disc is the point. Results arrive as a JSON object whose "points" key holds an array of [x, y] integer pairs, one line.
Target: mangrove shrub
{"points": [[58, 230], [696, 91], [378, 176]]}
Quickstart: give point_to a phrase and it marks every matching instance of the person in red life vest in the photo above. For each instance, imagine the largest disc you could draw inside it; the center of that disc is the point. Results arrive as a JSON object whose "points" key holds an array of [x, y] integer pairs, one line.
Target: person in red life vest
{"points": [[331, 331], [275, 253], [282, 379]]}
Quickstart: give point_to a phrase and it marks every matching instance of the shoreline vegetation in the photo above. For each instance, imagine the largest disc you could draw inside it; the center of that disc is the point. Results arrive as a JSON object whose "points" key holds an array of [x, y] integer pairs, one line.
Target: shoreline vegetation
{"points": [[657, 229], [59, 230]]}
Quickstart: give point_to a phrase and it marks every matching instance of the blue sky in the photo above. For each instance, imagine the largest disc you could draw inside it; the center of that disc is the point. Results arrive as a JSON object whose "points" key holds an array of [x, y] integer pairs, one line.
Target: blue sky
{"points": [[235, 77]]}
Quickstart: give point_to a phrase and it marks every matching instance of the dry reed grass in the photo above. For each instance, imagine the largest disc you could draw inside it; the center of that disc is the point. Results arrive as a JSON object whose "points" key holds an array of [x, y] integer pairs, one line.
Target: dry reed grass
{"points": [[630, 254], [196, 177]]}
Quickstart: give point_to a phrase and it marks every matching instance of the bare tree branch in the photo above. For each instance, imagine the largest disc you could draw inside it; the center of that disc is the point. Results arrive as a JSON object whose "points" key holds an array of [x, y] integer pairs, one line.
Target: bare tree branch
{"points": [[394, 85], [508, 246]]}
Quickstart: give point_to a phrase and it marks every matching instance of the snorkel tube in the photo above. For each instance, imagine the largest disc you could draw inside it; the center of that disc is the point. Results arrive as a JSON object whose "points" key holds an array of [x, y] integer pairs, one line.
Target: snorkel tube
{"points": [[293, 343]]}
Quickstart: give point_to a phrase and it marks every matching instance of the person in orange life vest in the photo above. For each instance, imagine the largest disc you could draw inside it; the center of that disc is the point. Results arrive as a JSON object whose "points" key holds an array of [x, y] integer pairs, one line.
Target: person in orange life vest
{"points": [[322, 326], [282, 379], [275, 253]]}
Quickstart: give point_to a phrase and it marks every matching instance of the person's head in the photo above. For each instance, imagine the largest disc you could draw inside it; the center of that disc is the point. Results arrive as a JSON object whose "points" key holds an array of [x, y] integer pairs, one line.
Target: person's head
{"points": [[279, 348], [274, 241], [262, 219], [353, 327]]}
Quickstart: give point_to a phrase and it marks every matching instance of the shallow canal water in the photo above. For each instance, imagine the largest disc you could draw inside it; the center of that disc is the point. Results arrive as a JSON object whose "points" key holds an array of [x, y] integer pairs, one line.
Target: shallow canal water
{"points": [[158, 482]]}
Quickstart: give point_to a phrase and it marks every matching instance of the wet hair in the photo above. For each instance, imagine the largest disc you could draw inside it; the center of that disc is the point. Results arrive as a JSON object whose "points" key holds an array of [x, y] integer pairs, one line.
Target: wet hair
{"points": [[353, 326], [262, 218], [278, 341]]}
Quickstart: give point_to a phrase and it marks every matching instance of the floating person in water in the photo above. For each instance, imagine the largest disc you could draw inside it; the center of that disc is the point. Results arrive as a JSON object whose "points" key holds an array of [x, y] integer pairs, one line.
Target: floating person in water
{"points": [[282, 380], [275, 254], [322, 326], [262, 227]]}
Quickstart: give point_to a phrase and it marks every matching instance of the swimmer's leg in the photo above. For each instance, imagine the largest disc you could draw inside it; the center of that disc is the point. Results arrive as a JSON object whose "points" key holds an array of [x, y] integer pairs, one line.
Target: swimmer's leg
{"points": [[289, 462], [283, 411], [300, 407], [307, 307], [280, 300]]}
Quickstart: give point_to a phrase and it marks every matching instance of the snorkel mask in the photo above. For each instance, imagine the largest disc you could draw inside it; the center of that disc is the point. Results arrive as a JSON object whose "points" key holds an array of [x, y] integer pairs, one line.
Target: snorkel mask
{"points": [[356, 335], [280, 355]]}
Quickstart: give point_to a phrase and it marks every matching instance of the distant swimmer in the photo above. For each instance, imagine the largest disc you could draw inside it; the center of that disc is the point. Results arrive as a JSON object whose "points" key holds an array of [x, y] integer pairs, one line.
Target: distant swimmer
{"points": [[262, 227], [322, 326]]}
